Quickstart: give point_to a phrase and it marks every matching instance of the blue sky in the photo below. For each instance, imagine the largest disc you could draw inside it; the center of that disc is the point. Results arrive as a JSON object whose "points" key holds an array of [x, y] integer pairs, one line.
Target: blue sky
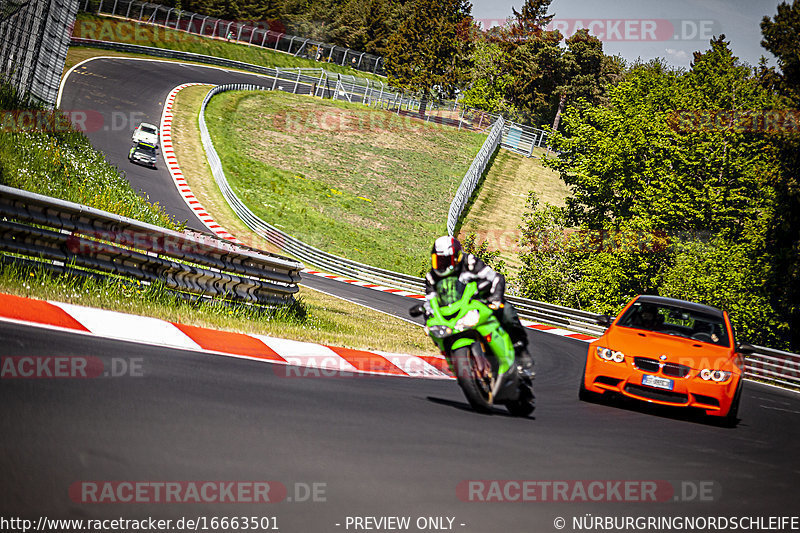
{"points": [[641, 28]]}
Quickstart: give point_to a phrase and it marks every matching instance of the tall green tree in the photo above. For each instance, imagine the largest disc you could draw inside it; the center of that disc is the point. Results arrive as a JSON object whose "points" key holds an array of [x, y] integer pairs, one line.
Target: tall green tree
{"points": [[535, 67], [363, 25], [429, 53], [781, 38], [490, 81]]}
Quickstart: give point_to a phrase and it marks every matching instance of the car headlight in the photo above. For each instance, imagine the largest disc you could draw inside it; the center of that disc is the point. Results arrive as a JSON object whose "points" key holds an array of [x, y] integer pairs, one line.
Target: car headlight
{"points": [[607, 354], [470, 320], [718, 376]]}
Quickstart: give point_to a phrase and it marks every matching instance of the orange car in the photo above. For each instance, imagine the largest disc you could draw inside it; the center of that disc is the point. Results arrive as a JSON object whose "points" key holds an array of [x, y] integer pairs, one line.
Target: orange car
{"points": [[668, 352]]}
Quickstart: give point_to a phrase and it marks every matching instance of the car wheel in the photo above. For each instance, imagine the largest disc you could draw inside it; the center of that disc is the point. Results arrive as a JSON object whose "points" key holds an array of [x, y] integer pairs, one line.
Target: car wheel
{"points": [[732, 418]]}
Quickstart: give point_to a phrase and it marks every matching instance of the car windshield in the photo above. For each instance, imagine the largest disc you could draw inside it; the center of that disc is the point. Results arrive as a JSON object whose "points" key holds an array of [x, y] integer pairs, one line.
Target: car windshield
{"points": [[149, 129], [676, 320], [149, 150]]}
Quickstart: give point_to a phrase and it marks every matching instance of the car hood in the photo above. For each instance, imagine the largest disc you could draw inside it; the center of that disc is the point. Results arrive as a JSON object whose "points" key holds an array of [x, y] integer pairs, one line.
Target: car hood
{"points": [[638, 343]]}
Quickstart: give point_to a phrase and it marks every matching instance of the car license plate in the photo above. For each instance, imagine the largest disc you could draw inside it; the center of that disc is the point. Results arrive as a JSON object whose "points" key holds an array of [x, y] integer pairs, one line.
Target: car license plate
{"points": [[655, 381]]}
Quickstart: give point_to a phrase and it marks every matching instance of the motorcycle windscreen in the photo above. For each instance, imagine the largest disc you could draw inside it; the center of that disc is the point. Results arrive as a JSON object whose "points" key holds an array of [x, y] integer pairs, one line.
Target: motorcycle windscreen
{"points": [[449, 290]]}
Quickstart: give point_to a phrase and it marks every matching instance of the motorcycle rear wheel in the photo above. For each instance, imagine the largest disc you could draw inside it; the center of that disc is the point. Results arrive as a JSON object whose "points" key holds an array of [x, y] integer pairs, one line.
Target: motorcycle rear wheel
{"points": [[476, 387]]}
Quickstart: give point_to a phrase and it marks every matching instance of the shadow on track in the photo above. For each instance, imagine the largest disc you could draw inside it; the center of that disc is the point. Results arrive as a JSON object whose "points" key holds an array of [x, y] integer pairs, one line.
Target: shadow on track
{"points": [[464, 406]]}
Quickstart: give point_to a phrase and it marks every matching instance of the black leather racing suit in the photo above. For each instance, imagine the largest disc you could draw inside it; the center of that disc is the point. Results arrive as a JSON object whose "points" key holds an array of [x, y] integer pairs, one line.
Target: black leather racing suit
{"points": [[472, 268]]}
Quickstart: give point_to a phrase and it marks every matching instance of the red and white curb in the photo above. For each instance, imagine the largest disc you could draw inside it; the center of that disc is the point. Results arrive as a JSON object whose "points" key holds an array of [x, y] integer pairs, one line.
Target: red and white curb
{"points": [[175, 170], [317, 359], [211, 224]]}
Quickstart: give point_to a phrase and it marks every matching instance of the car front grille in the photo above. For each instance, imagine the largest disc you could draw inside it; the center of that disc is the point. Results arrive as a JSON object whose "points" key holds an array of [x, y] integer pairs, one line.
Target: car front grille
{"points": [[672, 370], [657, 394]]}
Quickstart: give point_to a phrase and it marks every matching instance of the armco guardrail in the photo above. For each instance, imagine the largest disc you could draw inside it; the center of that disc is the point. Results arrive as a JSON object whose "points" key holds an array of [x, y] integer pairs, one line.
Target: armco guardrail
{"points": [[65, 236], [473, 175], [779, 367]]}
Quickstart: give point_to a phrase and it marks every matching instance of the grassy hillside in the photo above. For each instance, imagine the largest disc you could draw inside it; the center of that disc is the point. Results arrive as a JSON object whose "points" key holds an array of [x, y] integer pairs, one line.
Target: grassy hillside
{"points": [[89, 26], [366, 184], [496, 211], [42, 153]]}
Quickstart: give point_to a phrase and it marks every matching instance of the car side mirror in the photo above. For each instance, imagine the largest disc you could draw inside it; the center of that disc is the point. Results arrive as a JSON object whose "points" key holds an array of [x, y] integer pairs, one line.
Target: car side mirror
{"points": [[416, 311], [745, 349], [604, 320]]}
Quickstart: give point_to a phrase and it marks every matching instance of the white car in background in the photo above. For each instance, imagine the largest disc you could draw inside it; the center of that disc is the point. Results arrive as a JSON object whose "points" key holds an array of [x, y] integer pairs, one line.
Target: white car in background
{"points": [[145, 133]]}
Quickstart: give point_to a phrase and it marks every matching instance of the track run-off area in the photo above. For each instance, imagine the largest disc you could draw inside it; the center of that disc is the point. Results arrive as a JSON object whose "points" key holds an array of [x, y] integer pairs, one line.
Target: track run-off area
{"points": [[336, 447]]}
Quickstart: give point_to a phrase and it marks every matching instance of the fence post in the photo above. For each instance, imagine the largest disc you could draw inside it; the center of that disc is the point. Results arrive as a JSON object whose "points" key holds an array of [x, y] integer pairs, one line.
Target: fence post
{"points": [[321, 74], [277, 75], [296, 82]]}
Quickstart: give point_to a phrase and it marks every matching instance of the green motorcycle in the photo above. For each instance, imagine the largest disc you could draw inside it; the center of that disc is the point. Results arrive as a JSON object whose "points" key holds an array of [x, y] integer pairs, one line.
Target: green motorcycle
{"points": [[478, 350]]}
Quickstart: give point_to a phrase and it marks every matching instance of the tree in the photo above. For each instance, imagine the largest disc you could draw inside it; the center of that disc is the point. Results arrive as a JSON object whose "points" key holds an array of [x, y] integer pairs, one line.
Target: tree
{"points": [[429, 53], [533, 17], [536, 71], [490, 81], [781, 38], [363, 25]]}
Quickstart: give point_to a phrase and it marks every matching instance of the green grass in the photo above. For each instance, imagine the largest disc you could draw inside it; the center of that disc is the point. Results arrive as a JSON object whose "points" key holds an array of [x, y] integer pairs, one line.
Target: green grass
{"points": [[496, 211], [313, 317], [59, 161], [362, 183], [89, 26]]}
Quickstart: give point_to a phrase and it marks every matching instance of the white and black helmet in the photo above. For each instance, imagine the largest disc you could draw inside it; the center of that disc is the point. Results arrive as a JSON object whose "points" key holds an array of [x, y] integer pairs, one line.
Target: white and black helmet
{"points": [[446, 255]]}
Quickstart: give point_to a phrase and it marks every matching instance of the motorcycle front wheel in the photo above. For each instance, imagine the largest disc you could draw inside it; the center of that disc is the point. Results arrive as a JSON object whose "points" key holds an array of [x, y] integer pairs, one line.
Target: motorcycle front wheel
{"points": [[473, 373]]}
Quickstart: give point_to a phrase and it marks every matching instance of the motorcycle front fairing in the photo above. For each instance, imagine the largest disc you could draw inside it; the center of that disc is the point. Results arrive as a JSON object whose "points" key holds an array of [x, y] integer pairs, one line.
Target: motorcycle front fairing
{"points": [[465, 320]]}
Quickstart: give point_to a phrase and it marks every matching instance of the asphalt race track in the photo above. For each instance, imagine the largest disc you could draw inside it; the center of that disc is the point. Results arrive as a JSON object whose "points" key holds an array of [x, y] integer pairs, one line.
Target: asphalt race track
{"points": [[381, 446]]}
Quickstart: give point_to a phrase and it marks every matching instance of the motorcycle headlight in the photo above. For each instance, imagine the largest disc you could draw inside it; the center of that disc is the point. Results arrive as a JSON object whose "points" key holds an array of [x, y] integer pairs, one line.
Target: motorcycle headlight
{"points": [[470, 320], [607, 354], [439, 332]]}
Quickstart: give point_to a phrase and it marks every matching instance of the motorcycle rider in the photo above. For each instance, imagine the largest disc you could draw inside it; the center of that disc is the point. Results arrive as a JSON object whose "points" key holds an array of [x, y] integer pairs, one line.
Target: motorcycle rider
{"points": [[448, 259]]}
